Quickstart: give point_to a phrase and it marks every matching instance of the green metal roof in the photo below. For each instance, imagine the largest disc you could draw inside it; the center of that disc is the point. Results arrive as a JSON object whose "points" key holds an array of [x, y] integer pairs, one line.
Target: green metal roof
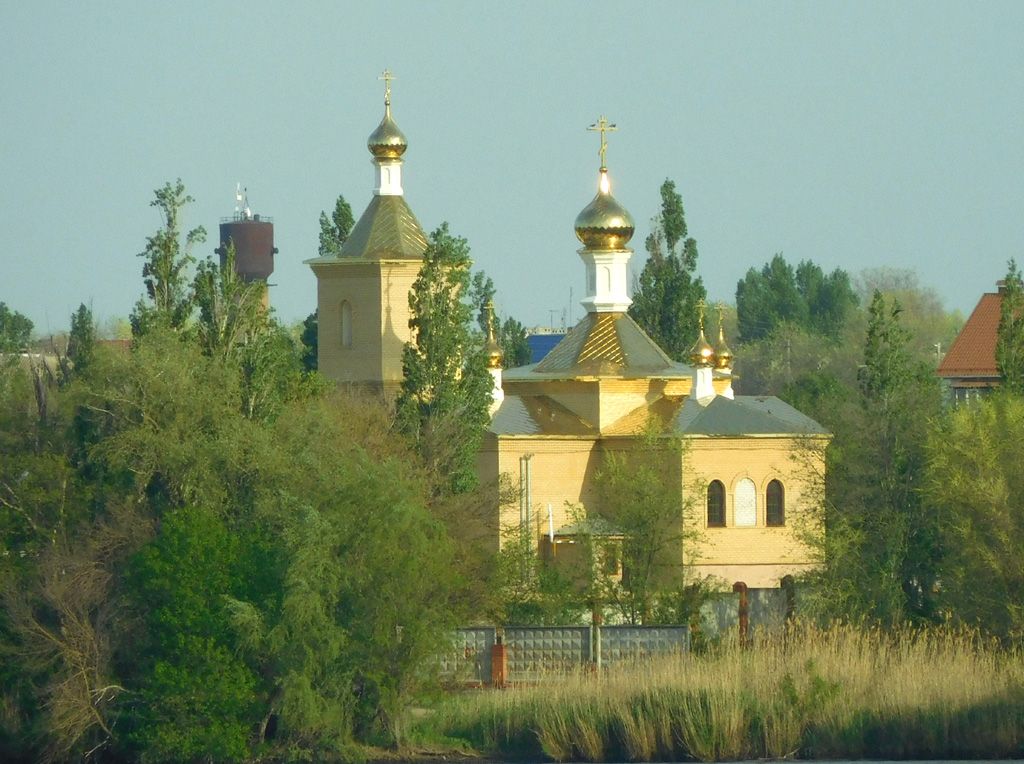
{"points": [[387, 230], [536, 415]]}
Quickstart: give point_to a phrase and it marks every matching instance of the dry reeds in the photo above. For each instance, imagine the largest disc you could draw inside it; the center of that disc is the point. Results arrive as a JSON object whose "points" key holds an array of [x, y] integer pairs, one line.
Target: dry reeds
{"points": [[838, 692]]}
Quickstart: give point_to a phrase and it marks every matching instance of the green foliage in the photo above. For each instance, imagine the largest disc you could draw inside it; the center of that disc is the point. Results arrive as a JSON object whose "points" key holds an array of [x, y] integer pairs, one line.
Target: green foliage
{"points": [[642, 491], [310, 342], [1010, 335], [198, 699], [974, 484], [881, 544], [165, 272], [82, 339], [446, 389], [805, 297], [15, 330], [230, 310], [666, 296], [335, 229]]}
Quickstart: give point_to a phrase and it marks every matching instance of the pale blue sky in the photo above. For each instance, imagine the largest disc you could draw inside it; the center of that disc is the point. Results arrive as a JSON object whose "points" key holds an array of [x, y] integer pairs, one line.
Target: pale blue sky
{"points": [[853, 134]]}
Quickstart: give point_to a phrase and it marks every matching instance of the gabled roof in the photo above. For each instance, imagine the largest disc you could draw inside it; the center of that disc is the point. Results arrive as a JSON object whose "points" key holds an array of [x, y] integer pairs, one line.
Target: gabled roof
{"points": [[387, 230], [744, 415], [973, 352], [605, 344]]}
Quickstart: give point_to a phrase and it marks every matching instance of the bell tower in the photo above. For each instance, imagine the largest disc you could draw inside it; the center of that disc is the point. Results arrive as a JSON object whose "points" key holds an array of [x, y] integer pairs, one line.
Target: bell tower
{"points": [[363, 292]]}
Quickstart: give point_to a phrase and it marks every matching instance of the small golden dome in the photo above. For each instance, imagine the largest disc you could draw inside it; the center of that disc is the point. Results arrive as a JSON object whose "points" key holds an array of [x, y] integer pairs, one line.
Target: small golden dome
{"points": [[604, 223], [723, 355], [387, 141], [495, 356], [702, 354]]}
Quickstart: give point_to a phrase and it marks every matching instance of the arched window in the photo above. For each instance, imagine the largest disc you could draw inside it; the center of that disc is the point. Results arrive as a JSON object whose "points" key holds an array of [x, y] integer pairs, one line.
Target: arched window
{"points": [[775, 504], [745, 506], [346, 325], [716, 504]]}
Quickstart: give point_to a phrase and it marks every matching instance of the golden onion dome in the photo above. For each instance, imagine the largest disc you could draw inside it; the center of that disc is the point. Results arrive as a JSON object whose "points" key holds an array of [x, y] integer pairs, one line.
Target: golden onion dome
{"points": [[702, 354], [604, 223], [387, 141], [723, 355]]}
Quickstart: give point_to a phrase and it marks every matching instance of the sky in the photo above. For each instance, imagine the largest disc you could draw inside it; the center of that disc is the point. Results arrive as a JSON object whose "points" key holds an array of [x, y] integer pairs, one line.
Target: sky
{"points": [[854, 134]]}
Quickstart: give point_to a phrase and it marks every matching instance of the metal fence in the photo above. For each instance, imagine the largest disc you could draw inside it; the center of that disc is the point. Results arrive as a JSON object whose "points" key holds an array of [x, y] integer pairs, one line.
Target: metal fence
{"points": [[536, 653]]}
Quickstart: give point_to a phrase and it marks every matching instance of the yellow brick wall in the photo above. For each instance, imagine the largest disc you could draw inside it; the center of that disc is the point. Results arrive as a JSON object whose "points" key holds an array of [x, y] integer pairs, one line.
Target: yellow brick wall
{"points": [[758, 552], [378, 293]]}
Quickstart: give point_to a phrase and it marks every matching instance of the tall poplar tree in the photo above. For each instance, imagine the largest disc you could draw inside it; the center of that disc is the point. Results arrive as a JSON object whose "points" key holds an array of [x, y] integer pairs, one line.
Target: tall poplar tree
{"points": [[1010, 335], [667, 293], [446, 389], [166, 270]]}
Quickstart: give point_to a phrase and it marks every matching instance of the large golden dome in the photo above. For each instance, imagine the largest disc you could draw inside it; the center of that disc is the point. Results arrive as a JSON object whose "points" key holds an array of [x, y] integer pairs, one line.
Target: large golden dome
{"points": [[387, 141], [604, 223]]}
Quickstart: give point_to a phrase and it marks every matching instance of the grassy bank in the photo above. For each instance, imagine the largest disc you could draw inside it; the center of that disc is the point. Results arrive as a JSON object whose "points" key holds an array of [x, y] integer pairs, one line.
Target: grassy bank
{"points": [[837, 693]]}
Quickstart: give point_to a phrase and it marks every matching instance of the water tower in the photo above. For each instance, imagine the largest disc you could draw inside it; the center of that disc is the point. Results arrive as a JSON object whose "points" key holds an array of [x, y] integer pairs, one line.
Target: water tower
{"points": [[253, 236]]}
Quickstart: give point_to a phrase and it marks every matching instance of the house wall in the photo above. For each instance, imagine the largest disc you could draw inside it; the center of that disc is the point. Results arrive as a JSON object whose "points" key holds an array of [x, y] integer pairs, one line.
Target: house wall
{"points": [[760, 555]]}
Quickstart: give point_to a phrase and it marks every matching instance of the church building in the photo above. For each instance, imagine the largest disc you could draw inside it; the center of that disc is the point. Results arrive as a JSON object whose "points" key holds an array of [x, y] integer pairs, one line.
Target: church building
{"points": [[748, 467]]}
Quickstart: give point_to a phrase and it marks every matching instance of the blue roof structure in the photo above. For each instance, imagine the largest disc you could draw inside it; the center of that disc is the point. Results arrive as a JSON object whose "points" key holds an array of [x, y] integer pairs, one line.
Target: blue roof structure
{"points": [[541, 345]]}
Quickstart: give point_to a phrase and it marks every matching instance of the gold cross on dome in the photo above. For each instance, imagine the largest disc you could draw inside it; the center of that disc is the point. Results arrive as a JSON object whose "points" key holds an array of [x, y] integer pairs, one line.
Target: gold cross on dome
{"points": [[387, 76], [701, 305], [603, 126]]}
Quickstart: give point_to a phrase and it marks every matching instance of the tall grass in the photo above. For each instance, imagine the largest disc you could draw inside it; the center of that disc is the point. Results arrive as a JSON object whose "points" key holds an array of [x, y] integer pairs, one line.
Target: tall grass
{"points": [[839, 692]]}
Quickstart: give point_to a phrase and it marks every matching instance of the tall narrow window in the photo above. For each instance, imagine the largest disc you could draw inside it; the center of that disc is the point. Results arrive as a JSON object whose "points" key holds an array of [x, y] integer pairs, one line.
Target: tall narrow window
{"points": [[346, 325], [775, 504], [716, 504], [745, 506]]}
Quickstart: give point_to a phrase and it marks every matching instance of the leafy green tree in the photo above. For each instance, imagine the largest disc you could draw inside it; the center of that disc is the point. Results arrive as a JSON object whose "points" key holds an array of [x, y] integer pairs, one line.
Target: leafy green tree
{"points": [[446, 389], [165, 271], [881, 545], [310, 341], [667, 293], [198, 698], [805, 297], [82, 339], [1010, 335], [641, 490], [975, 486], [334, 230], [15, 330], [231, 311]]}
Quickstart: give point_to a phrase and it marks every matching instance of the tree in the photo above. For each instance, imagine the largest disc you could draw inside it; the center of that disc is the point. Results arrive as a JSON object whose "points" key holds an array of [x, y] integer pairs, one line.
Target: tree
{"points": [[1010, 335], [446, 389], [805, 297], [881, 545], [641, 489], [667, 294], [975, 486], [82, 339], [310, 341], [165, 271], [335, 229], [15, 330], [231, 311]]}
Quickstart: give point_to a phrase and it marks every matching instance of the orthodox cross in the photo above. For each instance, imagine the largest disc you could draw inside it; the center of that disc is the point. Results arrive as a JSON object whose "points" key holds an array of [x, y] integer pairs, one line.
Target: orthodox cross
{"points": [[701, 305], [603, 126], [387, 76], [721, 310]]}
